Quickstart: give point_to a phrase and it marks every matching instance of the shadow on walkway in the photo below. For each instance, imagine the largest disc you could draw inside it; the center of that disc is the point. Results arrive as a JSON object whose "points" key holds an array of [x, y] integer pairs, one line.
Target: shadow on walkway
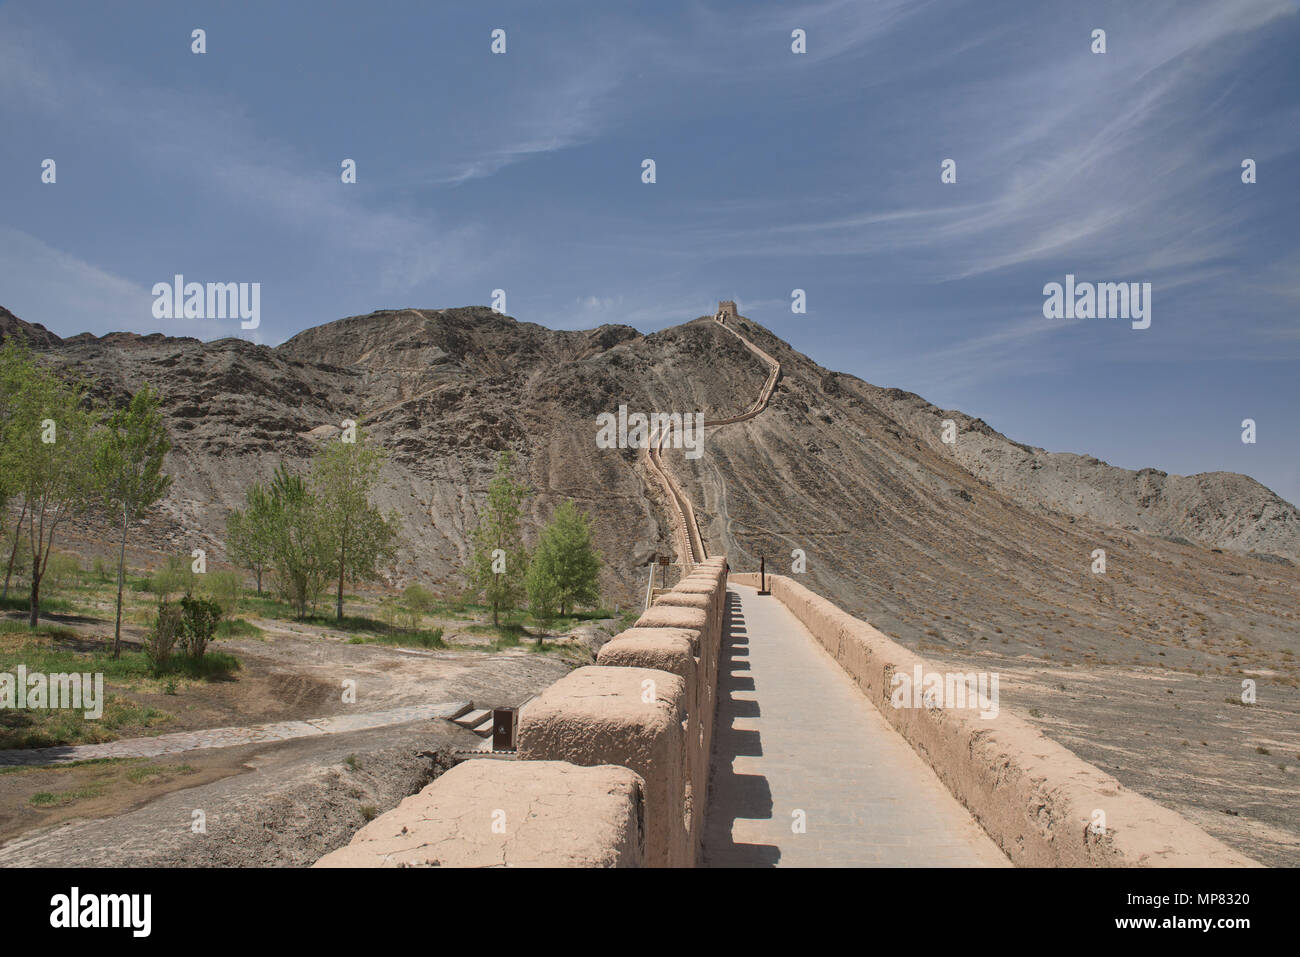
{"points": [[732, 795]]}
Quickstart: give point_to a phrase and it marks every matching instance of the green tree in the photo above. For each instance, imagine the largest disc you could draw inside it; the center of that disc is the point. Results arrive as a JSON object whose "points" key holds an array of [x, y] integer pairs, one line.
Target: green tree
{"points": [[565, 569], [300, 553], [249, 533], [499, 560], [49, 451], [128, 473], [16, 375], [356, 533]]}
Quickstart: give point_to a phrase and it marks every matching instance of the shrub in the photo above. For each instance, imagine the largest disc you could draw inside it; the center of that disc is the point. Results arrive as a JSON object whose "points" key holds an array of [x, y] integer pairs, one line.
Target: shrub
{"points": [[164, 634], [418, 598], [199, 619]]}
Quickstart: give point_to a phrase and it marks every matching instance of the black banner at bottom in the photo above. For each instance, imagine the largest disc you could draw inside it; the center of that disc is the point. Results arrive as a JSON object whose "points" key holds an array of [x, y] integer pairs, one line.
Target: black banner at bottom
{"points": [[338, 907]]}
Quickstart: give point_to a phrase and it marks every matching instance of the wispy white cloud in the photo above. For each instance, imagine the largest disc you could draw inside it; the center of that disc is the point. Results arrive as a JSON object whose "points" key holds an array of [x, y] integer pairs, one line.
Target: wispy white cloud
{"points": [[551, 113], [39, 282], [833, 29], [1106, 159], [268, 180]]}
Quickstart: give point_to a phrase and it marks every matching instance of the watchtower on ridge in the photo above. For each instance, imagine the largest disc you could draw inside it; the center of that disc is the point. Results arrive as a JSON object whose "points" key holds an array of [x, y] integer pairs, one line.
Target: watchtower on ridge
{"points": [[726, 310]]}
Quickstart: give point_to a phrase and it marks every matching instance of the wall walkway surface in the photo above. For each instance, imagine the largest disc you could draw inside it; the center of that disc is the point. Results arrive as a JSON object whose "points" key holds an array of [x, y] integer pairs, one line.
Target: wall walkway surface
{"points": [[806, 773], [1036, 799]]}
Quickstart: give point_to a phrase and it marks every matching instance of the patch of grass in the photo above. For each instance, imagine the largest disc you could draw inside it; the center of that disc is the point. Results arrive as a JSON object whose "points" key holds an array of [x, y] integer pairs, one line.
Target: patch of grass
{"points": [[40, 769], [508, 629], [369, 812], [24, 603], [38, 651], [353, 623], [508, 636], [9, 626], [424, 637], [237, 628], [213, 666], [135, 772], [63, 798], [573, 619], [47, 728], [149, 773], [264, 607]]}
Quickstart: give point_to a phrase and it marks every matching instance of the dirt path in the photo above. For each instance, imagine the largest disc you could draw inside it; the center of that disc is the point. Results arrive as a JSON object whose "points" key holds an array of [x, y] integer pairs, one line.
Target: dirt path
{"points": [[227, 737]]}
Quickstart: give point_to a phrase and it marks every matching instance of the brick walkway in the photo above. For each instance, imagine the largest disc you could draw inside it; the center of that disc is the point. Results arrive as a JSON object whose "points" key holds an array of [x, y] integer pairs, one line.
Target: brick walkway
{"points": [[181, 741], [795, 733]]}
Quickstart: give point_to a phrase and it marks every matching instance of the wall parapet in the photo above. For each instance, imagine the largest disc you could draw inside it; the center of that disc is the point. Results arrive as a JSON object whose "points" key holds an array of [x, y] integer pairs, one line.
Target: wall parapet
{"points": [[509, 814], [1035, 798], [613, 760]]}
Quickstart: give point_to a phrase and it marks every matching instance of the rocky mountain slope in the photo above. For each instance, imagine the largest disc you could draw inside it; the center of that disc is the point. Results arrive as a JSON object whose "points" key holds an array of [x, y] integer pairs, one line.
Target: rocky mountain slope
{"points": [[444, 390]]}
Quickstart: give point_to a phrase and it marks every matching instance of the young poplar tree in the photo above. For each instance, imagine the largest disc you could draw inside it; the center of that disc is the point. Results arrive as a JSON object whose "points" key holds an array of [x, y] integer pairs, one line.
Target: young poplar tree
{"points": [[15, 374], [249, 533], [358, 536], [499, 560], [50, 442], [565, 569], [128, 473], [300, 553]]}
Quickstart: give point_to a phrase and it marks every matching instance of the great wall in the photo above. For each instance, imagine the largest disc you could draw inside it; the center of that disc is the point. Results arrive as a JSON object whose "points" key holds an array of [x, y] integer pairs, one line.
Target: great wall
{"points": [[618, 763]]}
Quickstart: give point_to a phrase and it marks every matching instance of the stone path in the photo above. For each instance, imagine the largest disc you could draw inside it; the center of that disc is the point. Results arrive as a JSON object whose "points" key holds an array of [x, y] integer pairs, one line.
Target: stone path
{"points": [[227, 737], [794, 733]]}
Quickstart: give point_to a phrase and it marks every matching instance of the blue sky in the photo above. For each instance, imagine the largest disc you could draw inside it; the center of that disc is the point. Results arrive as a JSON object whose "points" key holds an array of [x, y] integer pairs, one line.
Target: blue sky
{"points": [[775, 171]]}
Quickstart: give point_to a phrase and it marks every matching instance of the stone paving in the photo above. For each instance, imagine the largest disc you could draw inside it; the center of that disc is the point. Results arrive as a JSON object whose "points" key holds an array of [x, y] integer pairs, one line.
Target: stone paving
{"points": [[227, 737], [795, 734]]}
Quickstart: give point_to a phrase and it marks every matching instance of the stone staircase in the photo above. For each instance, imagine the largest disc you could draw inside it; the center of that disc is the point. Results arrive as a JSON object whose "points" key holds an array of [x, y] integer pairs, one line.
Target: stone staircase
{"points": [[478, 720]]}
